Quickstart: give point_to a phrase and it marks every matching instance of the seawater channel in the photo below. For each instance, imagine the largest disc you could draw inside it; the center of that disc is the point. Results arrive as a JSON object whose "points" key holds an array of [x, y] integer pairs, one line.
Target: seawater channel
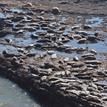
{"points": [[11, 95]]}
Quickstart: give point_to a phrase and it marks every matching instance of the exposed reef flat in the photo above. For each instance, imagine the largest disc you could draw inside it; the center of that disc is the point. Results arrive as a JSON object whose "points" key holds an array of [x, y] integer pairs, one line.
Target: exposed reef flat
{"points": [[62, 83], [57, 55]]}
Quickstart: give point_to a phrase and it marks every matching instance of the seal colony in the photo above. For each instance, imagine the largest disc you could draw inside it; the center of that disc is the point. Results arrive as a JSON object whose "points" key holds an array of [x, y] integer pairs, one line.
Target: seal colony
{"points": [[29, 42]]}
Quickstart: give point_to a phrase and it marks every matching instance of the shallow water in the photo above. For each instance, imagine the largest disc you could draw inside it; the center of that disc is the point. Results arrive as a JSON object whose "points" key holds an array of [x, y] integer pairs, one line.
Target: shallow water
{"points": [[13, 96], [10, 49], [2, 15], [99, 47], [95, 21], [17, 10], [102, 82]]}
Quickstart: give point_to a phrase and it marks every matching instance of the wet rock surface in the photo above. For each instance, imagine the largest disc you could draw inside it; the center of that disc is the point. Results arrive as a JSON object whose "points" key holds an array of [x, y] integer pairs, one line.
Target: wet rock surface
{"points": [[56, 55]]}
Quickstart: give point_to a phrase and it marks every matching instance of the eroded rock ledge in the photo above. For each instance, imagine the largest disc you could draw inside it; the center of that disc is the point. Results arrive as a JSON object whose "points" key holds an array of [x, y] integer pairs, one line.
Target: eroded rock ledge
{"points": [[63, 83], [31, 38]]}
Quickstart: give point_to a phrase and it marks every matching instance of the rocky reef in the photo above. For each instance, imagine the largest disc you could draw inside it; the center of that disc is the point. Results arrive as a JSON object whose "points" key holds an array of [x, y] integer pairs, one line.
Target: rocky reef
{"points": [[62, 82], [49, 53]]}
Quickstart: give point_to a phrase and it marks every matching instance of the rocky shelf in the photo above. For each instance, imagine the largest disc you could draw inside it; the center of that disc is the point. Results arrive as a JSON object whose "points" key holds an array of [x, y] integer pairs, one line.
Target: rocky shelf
{"points": [[61, 83], [48, 52]]}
